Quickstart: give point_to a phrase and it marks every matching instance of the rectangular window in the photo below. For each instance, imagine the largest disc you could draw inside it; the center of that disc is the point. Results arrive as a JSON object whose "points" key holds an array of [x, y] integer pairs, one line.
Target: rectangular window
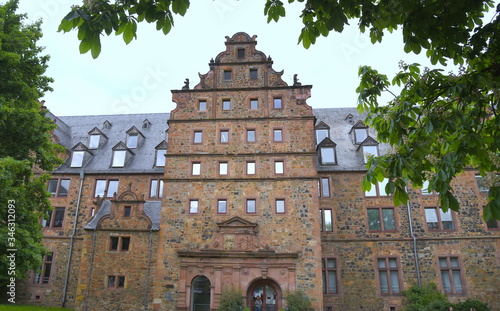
{"points": [[327, 155], [481, 184], [254, 104], [277, 104], [388, 275], [198, 137], [228, 75], [278, 167], [251, 136], [226, 104], [241, 53], [54, 218], [254, 74], [156, 189], [119, 244], [438, 220], [330, 279], [196, 168], [77, 158], [43, 275], [127, 211], [94, 141], [280, 206], [251, 207], [378, 189], [132, 140], [160, 157], [119, 158], [324, 187], [326, 220], [102, 185], [278, 135], [224, 136], [222, 206], [193, 207], [320, 135], [116, 281], [381, 219], [58, 187], [202, 105], [451, 275], [360, 134], [251, 167], [369, 151], [223, 168]]}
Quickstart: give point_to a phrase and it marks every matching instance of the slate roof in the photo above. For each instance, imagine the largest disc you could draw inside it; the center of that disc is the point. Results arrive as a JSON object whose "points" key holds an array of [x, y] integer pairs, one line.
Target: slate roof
{"points": [[73, 130]]}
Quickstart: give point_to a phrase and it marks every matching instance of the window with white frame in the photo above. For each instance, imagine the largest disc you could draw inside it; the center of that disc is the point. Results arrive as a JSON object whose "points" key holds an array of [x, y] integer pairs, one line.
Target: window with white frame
{"points": [[280, 206], [251, 206], [58, 187], [279, 167], [156, 188], [327, 155], [221, 206], [223, 168], [102, 185], [251, 167], [436, 219], [196, 168], [119, 158], [77, 158], [193, 206]]}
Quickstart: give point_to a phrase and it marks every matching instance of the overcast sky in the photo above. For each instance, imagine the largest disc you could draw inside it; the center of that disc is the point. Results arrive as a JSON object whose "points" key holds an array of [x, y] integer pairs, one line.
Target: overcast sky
{"points": [[137, 78]]}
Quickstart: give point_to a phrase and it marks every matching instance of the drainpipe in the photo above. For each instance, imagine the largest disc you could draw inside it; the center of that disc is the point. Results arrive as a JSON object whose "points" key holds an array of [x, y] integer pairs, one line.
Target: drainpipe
{"points": [[68, 265], [149, 267], [412, 234]]}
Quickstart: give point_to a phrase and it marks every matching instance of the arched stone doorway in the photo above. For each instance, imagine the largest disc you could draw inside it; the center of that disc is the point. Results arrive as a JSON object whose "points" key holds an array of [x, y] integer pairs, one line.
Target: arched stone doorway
{"points": [[270, 293], [200, 294]]}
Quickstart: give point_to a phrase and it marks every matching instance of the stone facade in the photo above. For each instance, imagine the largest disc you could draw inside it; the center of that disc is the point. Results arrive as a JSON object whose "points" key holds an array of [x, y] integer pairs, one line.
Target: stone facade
{"points": [[258, 191]]}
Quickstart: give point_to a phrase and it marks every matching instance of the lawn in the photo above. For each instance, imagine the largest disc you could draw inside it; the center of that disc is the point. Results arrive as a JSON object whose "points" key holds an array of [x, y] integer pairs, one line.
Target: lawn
{"points": [[16, 307]]}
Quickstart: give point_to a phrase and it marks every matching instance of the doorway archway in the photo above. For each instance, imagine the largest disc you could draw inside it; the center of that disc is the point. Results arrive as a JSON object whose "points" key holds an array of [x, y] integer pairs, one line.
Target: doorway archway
{"points": [[200, 294], [268, 291]]}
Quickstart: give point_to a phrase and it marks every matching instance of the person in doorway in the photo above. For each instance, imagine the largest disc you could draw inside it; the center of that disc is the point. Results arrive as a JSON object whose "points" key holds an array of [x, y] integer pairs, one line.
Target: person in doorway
{"points": [[258, 303]]}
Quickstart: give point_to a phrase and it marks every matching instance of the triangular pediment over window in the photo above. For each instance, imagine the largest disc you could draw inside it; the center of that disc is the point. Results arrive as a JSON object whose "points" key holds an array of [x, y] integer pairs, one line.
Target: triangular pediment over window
{"points": [[326, 142], [369, 141], [358, 125]]}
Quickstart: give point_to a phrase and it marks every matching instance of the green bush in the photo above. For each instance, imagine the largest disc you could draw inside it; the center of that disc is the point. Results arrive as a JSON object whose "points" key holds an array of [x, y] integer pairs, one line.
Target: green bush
{"points": [[298, 301], [470, 304], [231, 299]]}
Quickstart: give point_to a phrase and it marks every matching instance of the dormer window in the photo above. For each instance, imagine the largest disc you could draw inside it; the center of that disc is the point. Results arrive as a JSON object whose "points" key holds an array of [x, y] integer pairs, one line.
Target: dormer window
{"points": [[327, 154], [79, 155], [106, 125], [322, 131], [161, 151], [369, 147], [360, 132], [96, 138], [146, 124], [121, 155], [134, 138]]}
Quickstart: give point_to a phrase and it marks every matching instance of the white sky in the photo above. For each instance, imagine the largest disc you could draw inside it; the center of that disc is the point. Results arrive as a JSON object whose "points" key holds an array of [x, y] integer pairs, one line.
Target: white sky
{"points": [[138, 78]]}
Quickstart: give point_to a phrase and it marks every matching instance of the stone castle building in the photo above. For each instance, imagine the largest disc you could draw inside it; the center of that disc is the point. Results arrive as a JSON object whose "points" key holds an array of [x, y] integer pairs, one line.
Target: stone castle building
{"points": [[243, 184]]}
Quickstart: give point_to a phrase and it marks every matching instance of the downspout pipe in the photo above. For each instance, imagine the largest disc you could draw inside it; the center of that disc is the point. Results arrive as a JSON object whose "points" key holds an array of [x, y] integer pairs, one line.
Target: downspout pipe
{"points": [[412, 234], [70, 253]]}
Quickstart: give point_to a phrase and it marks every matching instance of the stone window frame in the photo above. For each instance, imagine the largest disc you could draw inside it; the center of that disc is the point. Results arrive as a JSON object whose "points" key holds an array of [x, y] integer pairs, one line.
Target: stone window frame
{"points": [[195, 137], [116, 282], [120, 243], [50, 223], [220, 135], [220, 167], [450, 268], [189, 211], [439, 214], [325, 276], [254, 133], [250, 103], [156, 189], [285, 203], [282, 133], [106, 187], [323, 218], [226, 104], [321, 187], [253, 73], [240, 53], [127, 211], [194, 165], [275, 168], [58, 185], [40, 278], [200, 106], [221, 199], [381, 218], [227, 75], [376, 191], [275, 101], [255, 167], [255, 200], [388, 269]]}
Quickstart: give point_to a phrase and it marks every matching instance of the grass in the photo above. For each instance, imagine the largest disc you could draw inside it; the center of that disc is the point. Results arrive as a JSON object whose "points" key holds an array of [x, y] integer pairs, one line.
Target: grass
{"points": [[16, 307]]}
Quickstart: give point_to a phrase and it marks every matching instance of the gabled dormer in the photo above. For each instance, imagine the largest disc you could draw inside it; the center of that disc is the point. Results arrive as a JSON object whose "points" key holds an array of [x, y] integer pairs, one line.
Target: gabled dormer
{"points": [[359, 132], [80, 155], [146, 125], [161, 151], [96, 138], [106, 125], [134, 138], [369, 147], [121, 155], [322, 131], [350, 119], [327, 153]]}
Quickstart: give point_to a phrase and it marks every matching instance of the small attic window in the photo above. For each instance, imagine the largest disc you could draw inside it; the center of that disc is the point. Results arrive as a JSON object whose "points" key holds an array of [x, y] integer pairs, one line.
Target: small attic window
{"points": [[146, 124], [121, 155], [77, 158], [350, 119], [327, 152], [96, 138], [94, 141], [360, 132], [369, 151], [241, 53], [106, 125], [161, 151], [132, 140], [322, 131]]}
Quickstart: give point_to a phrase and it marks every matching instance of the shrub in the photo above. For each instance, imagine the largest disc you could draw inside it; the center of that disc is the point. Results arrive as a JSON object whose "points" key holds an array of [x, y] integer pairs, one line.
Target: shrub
{"points": [[471, 304], [426, 298], [231, 299], [298, 301]]}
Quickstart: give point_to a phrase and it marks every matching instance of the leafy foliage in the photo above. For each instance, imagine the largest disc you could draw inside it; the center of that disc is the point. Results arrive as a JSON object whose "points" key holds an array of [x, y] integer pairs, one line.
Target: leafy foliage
{"points": [[429, 298], [25, 143], [298, 301], [231, 299]]}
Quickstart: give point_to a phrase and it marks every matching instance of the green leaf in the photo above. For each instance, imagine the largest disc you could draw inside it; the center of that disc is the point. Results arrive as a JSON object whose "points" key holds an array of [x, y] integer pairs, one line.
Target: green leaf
{"points": [[129, 31], [180, 6]]}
